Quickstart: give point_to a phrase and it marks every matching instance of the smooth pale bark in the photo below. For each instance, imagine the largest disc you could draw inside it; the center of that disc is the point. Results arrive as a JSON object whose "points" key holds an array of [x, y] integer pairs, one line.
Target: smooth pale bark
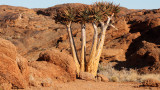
{"points": [[89, 66], [72, 44], [100, 46], [83, 48]]}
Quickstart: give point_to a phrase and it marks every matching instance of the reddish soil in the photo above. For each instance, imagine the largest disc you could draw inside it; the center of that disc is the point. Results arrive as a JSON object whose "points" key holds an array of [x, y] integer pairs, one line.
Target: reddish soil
{"points": [[91, 85]]}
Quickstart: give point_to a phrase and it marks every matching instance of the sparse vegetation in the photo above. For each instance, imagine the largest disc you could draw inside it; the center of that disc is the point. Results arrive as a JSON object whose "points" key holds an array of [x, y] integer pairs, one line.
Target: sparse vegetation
{"points": [[125, 75]]}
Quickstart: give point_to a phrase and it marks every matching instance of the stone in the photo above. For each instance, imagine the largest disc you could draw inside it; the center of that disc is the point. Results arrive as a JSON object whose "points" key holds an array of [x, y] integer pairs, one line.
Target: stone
{"points": [[86, 76], [102, 78], [151, 83]]}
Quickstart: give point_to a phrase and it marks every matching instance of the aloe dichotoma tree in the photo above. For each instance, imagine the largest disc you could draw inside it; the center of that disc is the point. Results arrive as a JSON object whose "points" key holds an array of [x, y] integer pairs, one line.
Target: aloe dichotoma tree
{"points": [[99, 12], [108, 10], [82, 17], [66, 16]]}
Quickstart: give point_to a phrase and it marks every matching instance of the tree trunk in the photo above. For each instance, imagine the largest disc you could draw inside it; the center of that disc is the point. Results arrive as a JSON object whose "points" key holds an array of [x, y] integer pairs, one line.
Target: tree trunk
{"points": [[100, 46], [83, 48], [89, 67], [72, 44]]}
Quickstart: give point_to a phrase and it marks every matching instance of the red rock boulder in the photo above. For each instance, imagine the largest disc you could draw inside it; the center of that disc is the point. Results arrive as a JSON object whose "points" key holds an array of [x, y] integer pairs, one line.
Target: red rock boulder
{"points": [[60, 59], [9, 70]]}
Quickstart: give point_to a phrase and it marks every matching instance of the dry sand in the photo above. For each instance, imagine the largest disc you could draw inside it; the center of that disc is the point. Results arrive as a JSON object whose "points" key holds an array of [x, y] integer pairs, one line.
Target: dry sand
{"points": [[91, 85]]}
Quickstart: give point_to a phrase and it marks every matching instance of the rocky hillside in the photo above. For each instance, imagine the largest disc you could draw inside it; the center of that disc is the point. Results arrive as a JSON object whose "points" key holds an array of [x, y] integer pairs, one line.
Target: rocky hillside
{"points": [[40, 42], [137, 29]]}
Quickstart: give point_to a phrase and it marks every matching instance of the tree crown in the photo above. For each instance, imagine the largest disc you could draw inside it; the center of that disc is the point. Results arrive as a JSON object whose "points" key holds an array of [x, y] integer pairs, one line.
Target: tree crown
{"points": [[99, 11], [65, 15], [83, 14]]}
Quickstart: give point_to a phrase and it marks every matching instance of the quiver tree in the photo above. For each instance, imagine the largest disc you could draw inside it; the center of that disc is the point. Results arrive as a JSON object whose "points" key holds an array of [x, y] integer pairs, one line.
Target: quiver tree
{"points": [[82, 17], [66, 16], [99, 13]]}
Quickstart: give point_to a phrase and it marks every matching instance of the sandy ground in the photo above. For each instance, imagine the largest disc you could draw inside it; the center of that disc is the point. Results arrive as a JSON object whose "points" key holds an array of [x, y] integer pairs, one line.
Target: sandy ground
{"points": [[91, 85]]}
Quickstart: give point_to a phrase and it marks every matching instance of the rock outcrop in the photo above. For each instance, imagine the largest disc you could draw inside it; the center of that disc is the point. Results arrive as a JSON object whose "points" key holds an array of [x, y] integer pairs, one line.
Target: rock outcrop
{"points": [[61, 60], [143, 52], [16, 72], [9, 70], [147, 56]]}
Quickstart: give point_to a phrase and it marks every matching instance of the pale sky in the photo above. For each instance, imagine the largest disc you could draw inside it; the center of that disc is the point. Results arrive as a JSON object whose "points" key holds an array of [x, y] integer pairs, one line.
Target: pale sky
{"points": [[130, 4]]}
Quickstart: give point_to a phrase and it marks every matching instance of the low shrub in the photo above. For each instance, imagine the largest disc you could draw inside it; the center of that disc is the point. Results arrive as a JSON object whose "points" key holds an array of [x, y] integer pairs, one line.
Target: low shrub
{"points": [[125, 75]]}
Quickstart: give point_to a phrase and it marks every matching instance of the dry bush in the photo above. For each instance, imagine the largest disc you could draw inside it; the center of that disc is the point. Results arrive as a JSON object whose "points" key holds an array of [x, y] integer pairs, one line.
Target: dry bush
{"points": [[125, 75]]}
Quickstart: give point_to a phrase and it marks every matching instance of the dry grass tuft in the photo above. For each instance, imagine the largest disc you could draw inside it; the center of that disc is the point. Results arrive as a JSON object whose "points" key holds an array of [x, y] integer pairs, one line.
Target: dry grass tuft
{"points": [[125, 75]]}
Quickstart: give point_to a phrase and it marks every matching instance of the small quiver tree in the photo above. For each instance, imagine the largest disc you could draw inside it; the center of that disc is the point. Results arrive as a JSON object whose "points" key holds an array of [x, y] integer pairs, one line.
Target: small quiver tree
{"points": [[101, 12], [82, 17], [66, 16]]}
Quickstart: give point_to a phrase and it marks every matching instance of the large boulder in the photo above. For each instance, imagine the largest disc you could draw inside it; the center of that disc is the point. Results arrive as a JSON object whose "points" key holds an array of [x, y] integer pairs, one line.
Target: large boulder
{"points": [[44, 72], [61, 60], [9, 70]]}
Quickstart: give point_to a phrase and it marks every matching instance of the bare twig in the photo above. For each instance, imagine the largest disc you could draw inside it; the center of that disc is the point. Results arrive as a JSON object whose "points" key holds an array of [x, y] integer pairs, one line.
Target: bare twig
{"points": [[113, 26]]}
